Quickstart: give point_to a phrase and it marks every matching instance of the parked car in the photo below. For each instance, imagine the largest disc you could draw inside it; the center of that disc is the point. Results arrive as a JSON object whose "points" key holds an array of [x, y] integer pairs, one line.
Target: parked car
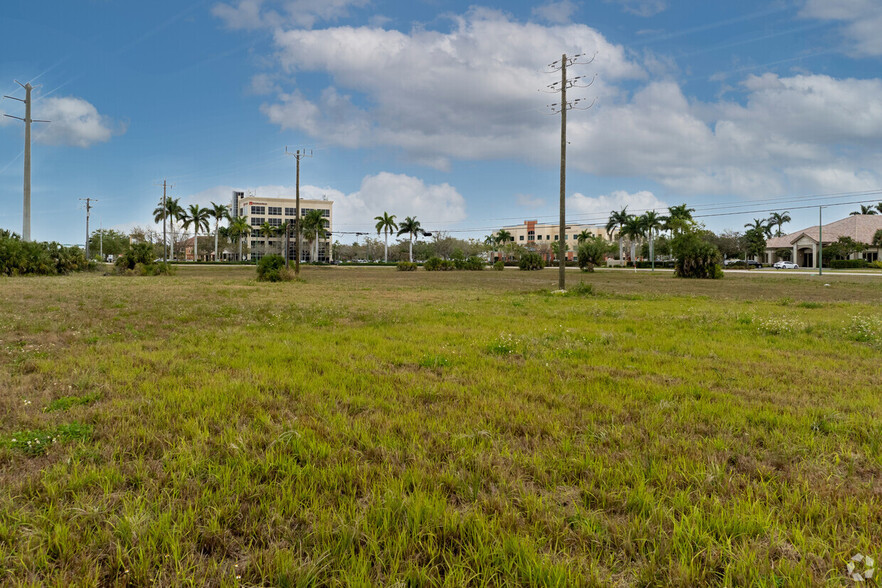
{"points": [[753, 263], [786, 265]]}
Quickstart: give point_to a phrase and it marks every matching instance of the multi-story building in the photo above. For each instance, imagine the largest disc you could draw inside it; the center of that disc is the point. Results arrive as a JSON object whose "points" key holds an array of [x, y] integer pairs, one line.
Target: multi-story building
{"points": [[539, 237], [277, 212]]}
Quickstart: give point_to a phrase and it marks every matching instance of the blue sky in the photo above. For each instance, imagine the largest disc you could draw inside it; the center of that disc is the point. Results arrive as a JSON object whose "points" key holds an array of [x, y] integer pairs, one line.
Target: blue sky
{"points": [[432, 108]]}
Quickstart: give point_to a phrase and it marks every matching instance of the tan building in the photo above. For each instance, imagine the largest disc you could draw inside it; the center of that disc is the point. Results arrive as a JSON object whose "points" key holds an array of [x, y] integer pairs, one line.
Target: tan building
{"points": [[277, 211], [538, 237], [802, 246]]}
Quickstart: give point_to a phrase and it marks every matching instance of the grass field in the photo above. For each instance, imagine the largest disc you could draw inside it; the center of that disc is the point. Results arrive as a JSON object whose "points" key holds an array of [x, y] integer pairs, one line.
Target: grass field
{"points": [[373, 427]]}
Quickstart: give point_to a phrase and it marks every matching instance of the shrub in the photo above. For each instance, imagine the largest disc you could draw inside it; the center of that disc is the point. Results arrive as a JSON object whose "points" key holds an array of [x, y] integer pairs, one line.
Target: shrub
{"points": [[848, 264], [876, 264], [473, 263], [499, 265], [696, 258], [406, 266], [531, 261], [436, 264], [269, 268], [592, 252], [20, 258]]}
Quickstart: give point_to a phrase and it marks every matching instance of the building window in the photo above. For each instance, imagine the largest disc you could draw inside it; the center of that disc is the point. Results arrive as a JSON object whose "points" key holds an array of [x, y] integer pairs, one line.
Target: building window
{"points": [[538, 237], [275, 222], [289, 212], [256, 221], [326, 212], [521, 238], [274, 210], [258, 210]]}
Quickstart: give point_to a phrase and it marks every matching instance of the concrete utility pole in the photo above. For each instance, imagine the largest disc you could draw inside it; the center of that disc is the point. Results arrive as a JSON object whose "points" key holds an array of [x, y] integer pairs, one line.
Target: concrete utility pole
{"points": [[561, 108], [88, 202], [26, 206], [820, 241], [298, 155]]}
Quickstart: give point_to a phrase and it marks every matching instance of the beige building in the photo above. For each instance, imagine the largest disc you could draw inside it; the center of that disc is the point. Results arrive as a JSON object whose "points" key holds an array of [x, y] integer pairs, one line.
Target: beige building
{"points": [[277, 211], [802, 246], [539, 237]]}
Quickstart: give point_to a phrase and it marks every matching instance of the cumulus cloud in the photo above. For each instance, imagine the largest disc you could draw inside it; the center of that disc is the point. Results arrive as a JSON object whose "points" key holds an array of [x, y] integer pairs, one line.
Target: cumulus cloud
{"points": [[596, 209], [643, 8], [555, 12], [861, 21], [470, 93], [398, 194], [74, 122], [254, 14]]}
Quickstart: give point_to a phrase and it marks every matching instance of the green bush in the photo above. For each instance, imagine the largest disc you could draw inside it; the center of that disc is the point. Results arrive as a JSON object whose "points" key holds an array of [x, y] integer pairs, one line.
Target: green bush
{"points": [[406, 266], [436, 264], [848, 264], [592, 252], [270, 268], [20, 258], [876, 264], [696, 258], [473, 263], [531, 261], [499, 265]]}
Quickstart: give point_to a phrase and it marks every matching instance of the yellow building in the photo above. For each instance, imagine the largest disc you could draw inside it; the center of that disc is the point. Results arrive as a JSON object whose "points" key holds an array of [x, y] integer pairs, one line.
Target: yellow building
{"points": [[276, 212], [538, 237]]}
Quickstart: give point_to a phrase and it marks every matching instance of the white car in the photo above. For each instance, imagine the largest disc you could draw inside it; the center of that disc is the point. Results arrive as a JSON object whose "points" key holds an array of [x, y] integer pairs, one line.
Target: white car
{"points": [[786, 265]]}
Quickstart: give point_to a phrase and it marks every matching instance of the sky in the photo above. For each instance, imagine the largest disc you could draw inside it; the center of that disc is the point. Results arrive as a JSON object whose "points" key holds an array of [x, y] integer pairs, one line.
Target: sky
{"points": [[439, 109]]}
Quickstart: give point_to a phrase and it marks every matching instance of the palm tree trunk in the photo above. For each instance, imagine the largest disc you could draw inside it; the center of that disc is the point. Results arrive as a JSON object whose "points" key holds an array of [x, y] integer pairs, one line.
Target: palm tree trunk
{"points": [[240, 247], [622, 251], [196, 245], [215, 239], [386, 248], [411, 249]]}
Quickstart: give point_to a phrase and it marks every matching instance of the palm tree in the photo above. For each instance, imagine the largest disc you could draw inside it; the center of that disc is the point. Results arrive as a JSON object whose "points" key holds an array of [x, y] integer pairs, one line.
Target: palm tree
{"points": [[196, 216], [219, 212], [879, 207], [763, 226], [173, 211], [778, 219], [616, 221], [865, 210], [634, 231], [584, 236], [679, 218], [267, 230], [502, 239], [386, 224], [314, 229], [652, 222], [410, 225], [239, 228]]}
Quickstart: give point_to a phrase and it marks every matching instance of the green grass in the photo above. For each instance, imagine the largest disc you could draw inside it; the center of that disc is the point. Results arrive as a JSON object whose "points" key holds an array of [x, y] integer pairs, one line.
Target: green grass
{"points": [[373, 427]]}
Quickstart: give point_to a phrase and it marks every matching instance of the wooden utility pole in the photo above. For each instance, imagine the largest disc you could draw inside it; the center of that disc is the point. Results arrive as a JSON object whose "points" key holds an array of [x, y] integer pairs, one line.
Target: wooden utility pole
{"points": [[26, 204], [298, 155], [562, 109]]}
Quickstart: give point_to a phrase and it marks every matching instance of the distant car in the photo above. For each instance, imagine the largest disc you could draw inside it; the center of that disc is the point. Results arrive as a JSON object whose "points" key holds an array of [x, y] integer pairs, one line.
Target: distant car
{"points": [[785, 265], [753, 263], [729, 262]]}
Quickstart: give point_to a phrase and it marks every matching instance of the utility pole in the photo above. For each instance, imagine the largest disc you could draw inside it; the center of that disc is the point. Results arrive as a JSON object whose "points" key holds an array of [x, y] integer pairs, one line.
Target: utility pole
{"points": [[561, 108], [88, 202], [26, 205], [101, 242], [298, 155], [165, 187], [820, 241]]}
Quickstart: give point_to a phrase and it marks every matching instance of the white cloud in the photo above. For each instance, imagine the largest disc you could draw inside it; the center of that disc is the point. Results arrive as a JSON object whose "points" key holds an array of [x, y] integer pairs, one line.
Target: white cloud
{"points": [[398, 194], [559, 12], [643, 8], [74, 122], [862, 21], [254, 14], [470, 93], [598, 208]]}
